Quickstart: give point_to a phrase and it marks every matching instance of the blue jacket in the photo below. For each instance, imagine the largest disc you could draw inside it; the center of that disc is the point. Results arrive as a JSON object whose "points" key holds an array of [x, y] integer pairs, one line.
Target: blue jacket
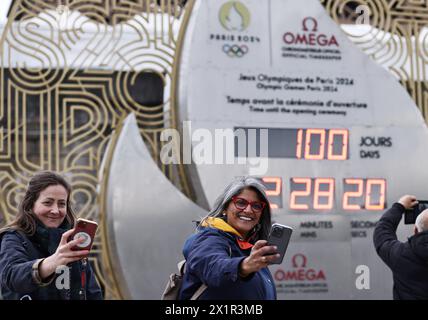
{"points": [[407, 260], [213, 257], [17, 256]]}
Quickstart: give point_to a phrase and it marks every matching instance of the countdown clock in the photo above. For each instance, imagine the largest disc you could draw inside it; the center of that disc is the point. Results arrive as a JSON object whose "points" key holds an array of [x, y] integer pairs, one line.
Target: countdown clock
{"points": [[340, 140], [318, 193]]}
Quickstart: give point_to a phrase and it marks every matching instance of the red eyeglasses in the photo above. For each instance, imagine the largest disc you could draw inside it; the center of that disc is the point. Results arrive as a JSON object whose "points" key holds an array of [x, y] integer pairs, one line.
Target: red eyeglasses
{"points": [[241, 204]]}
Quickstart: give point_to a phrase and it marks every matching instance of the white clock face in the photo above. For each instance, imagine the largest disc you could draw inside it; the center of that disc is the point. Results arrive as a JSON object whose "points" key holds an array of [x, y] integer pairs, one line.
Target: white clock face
{"points": [[344, 139]]}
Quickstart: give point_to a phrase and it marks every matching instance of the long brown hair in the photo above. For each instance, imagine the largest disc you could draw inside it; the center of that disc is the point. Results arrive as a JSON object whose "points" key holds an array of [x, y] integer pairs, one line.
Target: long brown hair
{"points": [[25, 219]]}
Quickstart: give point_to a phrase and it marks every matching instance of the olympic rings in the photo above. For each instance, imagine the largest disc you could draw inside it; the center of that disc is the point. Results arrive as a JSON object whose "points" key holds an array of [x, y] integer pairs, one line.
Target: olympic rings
{"points": [[235, 50]]}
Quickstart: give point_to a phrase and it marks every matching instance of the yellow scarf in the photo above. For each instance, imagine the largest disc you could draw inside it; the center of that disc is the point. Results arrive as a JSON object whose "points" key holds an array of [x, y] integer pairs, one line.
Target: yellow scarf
{"points": [[224, 226]]}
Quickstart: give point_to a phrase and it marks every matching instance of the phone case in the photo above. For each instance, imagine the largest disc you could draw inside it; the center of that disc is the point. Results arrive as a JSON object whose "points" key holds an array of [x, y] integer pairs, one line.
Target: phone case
{"points": [[86, 229], [279, 236]]}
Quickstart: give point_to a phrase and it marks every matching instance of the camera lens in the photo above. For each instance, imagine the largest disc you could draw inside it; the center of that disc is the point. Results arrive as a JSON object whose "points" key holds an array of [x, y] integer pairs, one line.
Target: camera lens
{"points": [[277, 232]]}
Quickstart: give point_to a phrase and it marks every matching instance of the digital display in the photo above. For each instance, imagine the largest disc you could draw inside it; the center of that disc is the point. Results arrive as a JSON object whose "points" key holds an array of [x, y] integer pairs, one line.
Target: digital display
{"points": [[307, 144], [273, 190], [319, 194], [364, 194], [312, 193]]}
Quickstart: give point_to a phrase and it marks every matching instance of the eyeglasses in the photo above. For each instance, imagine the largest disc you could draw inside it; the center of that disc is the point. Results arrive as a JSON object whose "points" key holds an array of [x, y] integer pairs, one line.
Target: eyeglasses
{"points": [[242, 204]]}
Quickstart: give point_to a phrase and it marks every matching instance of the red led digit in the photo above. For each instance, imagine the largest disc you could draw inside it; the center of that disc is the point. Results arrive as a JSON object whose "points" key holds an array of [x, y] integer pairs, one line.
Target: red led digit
{"points": [[277, 182], [299, 144], [380, 204], [353, 194], [336, 133], [329, 193], [276, 191], [309, 134], [302, 193]]}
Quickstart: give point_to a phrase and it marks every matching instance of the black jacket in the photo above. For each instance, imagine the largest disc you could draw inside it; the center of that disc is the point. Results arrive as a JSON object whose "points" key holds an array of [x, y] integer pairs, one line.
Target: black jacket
{"points": [[17, 256], [407, 260]]}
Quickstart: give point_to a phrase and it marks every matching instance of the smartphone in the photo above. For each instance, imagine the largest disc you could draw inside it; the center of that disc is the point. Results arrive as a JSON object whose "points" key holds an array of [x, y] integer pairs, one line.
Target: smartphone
{"points": [[279, 236], [411, 214], [85, 229]]}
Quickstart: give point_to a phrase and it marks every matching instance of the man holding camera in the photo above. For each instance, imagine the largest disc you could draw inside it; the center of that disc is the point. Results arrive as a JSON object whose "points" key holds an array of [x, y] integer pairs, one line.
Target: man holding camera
{"points": [[407, 260]]}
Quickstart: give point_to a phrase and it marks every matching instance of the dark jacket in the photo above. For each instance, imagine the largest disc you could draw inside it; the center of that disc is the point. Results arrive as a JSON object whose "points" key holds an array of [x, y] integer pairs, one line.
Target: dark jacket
{"points": [[213, 257], [17, 256], [408, 261]]}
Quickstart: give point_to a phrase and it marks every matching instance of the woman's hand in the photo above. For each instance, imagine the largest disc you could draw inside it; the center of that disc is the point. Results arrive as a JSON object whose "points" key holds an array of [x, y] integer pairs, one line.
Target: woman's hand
{"points": [[62, 256], [260, 257]]}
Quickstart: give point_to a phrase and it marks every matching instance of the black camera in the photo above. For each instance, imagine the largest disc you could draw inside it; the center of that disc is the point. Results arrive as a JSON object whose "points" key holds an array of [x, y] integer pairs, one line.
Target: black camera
{"points": [[411, 214], [279, 236], [277, 232]]}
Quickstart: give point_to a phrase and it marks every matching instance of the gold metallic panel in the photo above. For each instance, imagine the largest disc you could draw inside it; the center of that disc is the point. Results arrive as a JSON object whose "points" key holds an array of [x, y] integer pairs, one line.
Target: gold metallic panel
{"points": [[70, 70], [394, 35]]}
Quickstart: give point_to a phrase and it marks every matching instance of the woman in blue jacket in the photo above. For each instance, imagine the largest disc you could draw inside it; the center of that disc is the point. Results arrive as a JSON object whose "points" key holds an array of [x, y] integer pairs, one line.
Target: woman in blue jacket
{"points": [[34, 250], [229, 253]]}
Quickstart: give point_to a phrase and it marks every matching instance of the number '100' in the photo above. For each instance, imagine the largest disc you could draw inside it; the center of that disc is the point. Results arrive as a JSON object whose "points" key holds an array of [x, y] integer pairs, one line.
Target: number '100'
{"points": [[311, 144]]}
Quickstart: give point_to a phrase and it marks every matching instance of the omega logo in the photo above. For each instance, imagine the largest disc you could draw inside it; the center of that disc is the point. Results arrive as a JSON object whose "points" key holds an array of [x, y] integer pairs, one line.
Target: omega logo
{"points": [[299, 271], [314, 21], [310, 36], [295, 260]]}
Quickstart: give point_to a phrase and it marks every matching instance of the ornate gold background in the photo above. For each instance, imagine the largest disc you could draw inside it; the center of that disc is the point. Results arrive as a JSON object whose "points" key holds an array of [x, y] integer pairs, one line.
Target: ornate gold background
{"points": [[396, 38], [61, 118]]}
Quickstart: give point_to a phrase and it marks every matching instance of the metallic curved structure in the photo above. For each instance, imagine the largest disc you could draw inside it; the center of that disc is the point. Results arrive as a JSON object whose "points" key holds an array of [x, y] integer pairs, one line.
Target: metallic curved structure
{"points": [[71, 70], [140, 201]]}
